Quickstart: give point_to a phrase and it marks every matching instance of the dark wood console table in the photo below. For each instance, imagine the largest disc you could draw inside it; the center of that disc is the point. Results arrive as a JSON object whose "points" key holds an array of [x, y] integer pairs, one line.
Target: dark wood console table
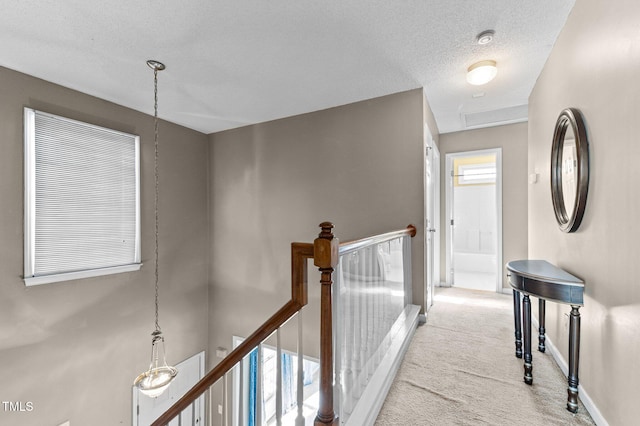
{"points": [[545, 281]]}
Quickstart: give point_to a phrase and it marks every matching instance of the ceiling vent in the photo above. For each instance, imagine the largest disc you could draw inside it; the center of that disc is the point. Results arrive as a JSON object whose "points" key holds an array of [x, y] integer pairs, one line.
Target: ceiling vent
{"points": [[514, 114]]}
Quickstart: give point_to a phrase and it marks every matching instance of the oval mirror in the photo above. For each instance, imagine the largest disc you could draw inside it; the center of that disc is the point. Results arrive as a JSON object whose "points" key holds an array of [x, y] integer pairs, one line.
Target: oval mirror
{"points": [[569, 169]]}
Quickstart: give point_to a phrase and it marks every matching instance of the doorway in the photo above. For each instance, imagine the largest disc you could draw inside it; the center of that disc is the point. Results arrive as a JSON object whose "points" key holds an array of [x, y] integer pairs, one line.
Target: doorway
{"points": [[474, 213]]}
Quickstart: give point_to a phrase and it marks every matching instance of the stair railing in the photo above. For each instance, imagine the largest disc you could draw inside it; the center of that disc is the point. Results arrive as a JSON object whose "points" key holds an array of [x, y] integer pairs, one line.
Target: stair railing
{"points": [[374, 322], [325, 254]]}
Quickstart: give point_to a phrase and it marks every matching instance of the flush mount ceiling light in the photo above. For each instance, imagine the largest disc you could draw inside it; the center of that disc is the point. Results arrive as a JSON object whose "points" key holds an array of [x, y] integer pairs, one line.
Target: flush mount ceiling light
{"points": [[159, 376], [485, 37], [481, 72]]}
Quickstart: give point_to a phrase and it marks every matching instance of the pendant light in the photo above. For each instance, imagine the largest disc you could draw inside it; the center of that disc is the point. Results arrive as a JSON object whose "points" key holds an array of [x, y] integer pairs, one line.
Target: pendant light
{"points": [[157, 379]]}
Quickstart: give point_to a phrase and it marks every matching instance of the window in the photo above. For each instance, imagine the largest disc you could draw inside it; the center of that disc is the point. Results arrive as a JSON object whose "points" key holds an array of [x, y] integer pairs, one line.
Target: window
{"points": [[82, 199], [475, 174], [246, 388]]}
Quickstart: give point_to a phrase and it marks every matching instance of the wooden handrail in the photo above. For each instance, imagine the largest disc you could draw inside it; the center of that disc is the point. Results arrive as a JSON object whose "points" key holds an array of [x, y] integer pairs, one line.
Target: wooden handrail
{"points": [[325, 252], [350, 246], [300, 252]]}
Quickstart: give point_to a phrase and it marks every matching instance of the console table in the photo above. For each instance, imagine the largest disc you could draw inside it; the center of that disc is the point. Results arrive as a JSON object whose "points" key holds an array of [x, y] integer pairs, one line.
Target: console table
{"points": [[545, 281]]}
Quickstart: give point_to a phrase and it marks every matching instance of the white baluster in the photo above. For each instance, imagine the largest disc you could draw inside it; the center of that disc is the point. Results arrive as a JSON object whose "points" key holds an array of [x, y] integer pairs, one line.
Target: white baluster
{"points": [[300, 378], [378, 285], [371, 267], [242, 365], [366, 323], [346, 324], [278, 379], [225, 401], [259, 393], [194, 413], [362, 324], [210, 411]]}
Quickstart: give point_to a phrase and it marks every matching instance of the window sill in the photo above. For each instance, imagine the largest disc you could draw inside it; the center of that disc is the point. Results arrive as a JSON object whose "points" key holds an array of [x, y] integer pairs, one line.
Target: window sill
{"points": [[68, 276]]}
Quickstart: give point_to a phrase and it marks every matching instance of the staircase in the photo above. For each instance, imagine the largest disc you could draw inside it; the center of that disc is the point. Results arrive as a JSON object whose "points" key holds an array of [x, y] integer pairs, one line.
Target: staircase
{"points": [[366, 323]]}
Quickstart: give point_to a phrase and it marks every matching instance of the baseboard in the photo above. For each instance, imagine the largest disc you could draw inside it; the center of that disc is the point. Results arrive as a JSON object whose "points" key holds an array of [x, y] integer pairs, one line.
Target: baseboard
{"points": [[505, 290], [564, 366], [368, 407]]}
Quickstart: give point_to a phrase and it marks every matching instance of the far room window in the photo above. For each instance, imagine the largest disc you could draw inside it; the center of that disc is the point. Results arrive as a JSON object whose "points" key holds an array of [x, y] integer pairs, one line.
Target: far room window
{"points": [[476, 174], [254, 396], [82, 199]]}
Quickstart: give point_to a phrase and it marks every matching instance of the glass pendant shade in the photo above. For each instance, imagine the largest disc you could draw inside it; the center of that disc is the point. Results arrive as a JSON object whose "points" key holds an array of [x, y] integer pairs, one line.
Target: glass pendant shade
{"points": [[157, 379], [481, 72]]}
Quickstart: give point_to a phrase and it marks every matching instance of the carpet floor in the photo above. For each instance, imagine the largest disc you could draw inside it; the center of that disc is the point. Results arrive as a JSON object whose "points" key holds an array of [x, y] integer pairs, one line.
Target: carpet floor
{"points": [[460, 369]]}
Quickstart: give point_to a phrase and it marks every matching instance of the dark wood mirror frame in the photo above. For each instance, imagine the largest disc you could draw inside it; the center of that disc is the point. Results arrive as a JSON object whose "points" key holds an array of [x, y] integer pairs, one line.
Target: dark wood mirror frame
{"points": [[570, 117]]}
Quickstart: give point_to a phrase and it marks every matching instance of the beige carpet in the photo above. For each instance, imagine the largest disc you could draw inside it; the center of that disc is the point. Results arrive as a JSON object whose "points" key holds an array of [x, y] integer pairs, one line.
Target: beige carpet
{"points": [[460, 369]]}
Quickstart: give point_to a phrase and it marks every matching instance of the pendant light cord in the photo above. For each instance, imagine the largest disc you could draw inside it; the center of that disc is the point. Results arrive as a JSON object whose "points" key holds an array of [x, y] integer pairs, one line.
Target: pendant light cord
{"points": [[155, 139]]}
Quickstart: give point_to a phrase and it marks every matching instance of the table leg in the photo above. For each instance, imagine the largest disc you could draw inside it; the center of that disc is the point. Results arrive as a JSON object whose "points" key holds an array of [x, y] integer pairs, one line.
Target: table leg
{"points": [[541, 330], [574, 355], [526, 325], [516, 320]]}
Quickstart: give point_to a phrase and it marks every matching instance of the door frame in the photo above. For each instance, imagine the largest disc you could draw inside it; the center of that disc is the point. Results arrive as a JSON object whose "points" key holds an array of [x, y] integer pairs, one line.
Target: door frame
{"points": [[432, 161], [449, 157]]}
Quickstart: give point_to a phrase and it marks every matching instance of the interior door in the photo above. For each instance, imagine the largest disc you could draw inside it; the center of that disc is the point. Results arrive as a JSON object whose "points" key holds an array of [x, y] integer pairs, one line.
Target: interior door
{"points": [[436, 233], [430, 226], [146, 409]]}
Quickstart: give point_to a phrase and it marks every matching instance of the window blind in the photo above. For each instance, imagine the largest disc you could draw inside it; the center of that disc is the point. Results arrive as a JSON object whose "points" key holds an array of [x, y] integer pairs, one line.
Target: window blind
{"points": [[81, 199]]}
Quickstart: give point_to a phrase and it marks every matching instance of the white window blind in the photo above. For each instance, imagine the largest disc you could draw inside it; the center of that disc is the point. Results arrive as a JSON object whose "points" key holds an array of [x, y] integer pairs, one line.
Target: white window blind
{"points": [[82, 203]]}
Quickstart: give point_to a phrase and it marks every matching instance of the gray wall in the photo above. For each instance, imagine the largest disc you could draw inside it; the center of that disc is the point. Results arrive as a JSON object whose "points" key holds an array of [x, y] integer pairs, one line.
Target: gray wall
{"points": [[359, 166], [594, 66], [512, 139], [74, 348], [430, 120]]}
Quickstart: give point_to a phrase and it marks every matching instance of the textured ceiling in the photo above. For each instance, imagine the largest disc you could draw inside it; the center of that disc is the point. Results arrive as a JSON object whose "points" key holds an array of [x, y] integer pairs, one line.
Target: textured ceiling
{"points": [[232, 63]]}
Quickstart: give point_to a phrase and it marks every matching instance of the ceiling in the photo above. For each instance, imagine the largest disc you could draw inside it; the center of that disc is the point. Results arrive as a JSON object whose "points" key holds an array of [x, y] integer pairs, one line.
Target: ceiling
{"points": [[232, 63]]}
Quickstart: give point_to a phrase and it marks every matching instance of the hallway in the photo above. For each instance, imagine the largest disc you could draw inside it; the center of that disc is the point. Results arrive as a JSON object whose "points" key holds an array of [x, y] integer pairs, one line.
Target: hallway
{"points": [[461, 369]]}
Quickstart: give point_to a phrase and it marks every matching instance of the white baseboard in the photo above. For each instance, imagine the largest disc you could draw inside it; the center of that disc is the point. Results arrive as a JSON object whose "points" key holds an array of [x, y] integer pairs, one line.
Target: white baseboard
{"points": [[564, 366], [505, 290]]}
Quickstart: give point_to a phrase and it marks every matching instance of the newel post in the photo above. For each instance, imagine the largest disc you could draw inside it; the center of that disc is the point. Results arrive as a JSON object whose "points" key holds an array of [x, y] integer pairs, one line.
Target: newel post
{"points": [[325, 257]]}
